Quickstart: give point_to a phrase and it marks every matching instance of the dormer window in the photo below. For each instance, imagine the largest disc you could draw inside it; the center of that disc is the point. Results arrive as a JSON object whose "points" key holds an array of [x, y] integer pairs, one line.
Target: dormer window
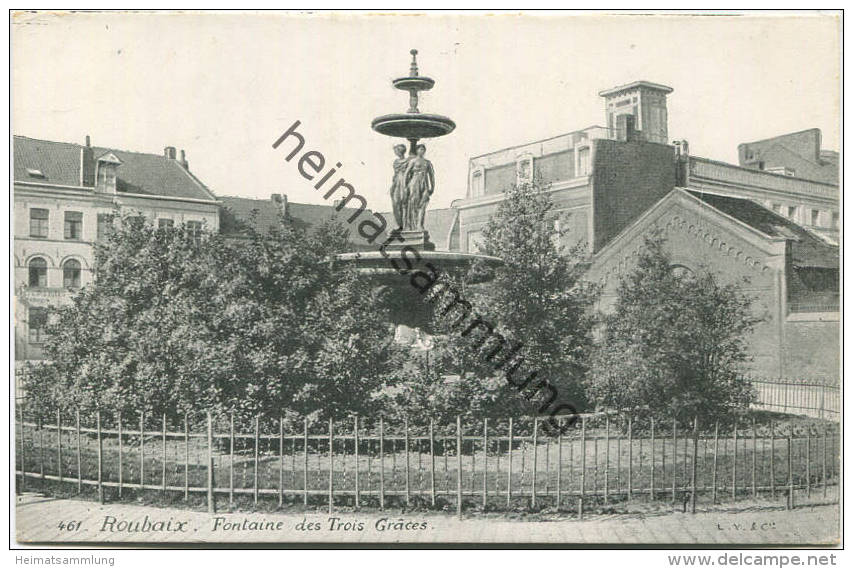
{"points": [[105, 178], [33, 173]]}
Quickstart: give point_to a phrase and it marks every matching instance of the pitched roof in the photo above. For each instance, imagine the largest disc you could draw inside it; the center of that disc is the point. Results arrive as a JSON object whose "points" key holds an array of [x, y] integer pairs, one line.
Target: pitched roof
{"points": [[807, 249], [138, 173], [238, 214]]}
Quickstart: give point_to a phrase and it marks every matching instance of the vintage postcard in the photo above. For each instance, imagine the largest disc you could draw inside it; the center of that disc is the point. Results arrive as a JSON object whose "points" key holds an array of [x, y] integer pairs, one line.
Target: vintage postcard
{"points": [[566, 279]]}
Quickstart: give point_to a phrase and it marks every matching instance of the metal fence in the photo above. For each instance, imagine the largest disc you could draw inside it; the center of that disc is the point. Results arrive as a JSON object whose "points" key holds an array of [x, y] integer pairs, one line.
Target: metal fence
{"points": [[816, 400], [488, 464]]}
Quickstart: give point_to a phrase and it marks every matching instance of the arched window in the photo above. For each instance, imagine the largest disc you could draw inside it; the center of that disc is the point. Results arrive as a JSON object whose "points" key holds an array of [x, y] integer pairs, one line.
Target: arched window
{"points": [[71, 274], [38, 272], [681, 271]]}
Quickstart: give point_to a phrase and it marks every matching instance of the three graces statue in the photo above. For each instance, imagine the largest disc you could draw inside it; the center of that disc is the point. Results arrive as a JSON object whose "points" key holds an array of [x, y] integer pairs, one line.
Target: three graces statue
{"points": [[411, 188]]}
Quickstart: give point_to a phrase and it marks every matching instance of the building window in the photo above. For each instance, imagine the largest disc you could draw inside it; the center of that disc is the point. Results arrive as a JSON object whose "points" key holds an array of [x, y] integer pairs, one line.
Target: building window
{"points": [[583, 161], [194, 228], [815, 218], [524, 170], [105, 225], [681, 272], [73, 225], [477, 183], [777, 207], [71, 274], [792, 211], [475, 241], [835, 220], [165, 223], [37, 325], [38, 272], [39, 222]]}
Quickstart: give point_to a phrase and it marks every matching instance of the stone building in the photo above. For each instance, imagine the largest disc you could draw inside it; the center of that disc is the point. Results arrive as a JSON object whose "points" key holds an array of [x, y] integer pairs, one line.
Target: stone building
{"points": [[65, 196], [773, 218]]}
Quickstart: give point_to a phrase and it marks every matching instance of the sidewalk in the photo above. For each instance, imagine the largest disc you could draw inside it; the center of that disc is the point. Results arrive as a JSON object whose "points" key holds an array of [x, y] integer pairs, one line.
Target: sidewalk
{"points": [[40, 519]]}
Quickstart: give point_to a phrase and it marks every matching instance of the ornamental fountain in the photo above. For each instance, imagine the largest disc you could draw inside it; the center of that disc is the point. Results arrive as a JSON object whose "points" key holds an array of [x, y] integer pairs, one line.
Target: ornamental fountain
{"points": [[408, 244]]}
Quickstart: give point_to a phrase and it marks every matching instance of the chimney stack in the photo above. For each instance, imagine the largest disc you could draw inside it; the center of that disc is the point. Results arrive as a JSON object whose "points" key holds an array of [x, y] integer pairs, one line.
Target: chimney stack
{"points": [[184, 162], [169, 152], [87, 164]]}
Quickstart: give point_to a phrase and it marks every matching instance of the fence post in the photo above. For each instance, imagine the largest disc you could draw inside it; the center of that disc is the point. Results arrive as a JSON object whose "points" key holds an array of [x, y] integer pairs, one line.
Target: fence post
{"points": [[754, 452], [790, 501], [355, 437], [41, 449], [772, 462], [432, 461], [280, 461], [535, 461], [120, 454], [808, 462], [163, 477], [381, 463], [186, 457], [784, 397], [583, 459], [824, 460], [560, 464], [509, 468], [211, 504], [674, 456], [59, 445], [257, 463], [141, 452], [406, 448], [606, 457], [331, 464], [714, 473], [652, 467], [459, 466], [734, 463], [100, 457], [231, 462], [305, 463], [630, 458], [485, 462], [693, 471], [23, 486], [79, 458]]}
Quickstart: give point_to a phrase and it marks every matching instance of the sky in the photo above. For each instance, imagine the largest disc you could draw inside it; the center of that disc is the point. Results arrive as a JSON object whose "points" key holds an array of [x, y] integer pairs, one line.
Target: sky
{"points": [[225, 86]]}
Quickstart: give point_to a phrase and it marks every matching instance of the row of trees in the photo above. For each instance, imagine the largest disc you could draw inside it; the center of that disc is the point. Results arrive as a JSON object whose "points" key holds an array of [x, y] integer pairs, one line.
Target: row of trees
{"points": [[177, 322]]}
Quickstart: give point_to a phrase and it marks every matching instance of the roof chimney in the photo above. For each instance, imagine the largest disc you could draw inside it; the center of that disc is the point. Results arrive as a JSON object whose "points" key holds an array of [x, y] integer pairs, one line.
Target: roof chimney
{"points": [[183, 160], [87, 164], [169, 152]]}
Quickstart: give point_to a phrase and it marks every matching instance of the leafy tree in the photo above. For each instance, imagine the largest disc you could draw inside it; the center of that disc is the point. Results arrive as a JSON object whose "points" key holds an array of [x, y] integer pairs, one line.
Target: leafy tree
{"points": [[675, 343], [536, 299], [177, 322]]}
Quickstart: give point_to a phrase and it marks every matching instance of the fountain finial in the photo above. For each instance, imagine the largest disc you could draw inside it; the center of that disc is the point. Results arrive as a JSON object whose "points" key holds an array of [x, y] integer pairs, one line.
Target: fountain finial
{"points": [[413, 70]]}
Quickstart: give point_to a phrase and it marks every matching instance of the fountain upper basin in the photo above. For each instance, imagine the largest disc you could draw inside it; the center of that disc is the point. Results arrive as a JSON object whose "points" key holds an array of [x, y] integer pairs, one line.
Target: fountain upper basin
{"points": [[413, 125]]}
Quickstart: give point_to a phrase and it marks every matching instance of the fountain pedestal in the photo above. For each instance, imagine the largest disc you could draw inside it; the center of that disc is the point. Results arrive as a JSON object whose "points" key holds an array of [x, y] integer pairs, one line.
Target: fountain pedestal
{"points": [[417, 238]]}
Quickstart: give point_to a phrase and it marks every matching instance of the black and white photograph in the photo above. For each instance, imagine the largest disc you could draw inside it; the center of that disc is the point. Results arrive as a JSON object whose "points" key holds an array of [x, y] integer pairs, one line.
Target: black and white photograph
{"points": [[425, 279]]}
